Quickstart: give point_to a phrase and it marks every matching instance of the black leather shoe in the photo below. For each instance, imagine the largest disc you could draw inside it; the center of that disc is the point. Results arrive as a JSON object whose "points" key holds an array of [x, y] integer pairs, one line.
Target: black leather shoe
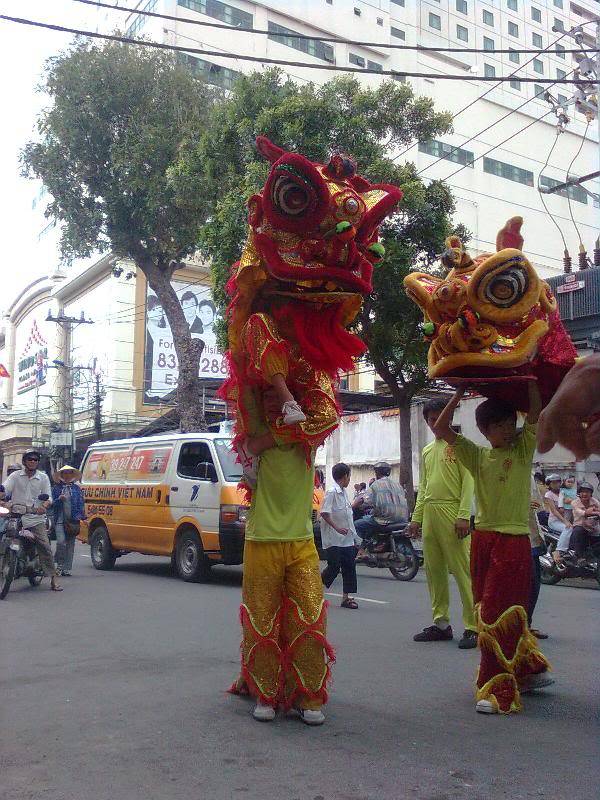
{"points": [[434, 634]]}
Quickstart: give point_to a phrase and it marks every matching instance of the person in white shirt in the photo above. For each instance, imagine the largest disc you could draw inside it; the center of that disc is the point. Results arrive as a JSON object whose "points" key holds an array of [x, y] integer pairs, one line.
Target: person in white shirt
{"points": [[338, 536]]}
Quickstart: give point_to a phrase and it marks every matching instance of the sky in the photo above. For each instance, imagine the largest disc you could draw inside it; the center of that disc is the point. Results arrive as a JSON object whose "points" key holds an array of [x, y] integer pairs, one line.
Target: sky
{"points": [[23, 52]]}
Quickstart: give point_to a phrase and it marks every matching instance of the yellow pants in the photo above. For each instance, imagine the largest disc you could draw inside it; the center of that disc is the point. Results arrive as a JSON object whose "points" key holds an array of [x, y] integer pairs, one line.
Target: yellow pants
{"points": [[443, 551], [285, 655]]}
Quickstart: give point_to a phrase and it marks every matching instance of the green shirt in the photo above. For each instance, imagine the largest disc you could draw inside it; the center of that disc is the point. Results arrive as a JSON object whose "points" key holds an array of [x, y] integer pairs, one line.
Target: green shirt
{"points": [[443, 480], [502, 481], [281, 509]]}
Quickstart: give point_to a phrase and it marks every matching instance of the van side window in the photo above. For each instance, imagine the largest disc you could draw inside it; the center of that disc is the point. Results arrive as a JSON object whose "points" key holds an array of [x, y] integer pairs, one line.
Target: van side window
{"points": [[190, 456]]}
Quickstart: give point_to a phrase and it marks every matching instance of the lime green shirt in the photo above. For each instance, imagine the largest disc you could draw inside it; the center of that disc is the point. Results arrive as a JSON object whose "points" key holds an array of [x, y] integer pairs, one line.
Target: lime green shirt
{"points": [[502, 481], [443, 480]]}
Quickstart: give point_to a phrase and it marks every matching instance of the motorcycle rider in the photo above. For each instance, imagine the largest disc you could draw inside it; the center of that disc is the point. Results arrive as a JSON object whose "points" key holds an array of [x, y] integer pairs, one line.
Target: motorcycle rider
{"points": [[24, 487], [388, 502], [556, 521], [586, 516]]}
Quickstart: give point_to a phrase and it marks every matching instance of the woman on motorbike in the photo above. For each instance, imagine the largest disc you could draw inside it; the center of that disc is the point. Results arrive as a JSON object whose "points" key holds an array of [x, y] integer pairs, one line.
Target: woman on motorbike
{"points": [[586, 514], [556, 521]]}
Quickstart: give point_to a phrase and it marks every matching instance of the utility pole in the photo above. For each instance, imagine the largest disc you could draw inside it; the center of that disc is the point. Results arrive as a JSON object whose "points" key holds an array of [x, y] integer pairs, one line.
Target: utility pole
{"points": [[66, 325], [98, 410]]}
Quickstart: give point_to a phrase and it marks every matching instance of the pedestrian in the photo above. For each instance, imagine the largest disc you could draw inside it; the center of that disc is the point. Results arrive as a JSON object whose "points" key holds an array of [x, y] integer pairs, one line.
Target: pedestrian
{"points": [[339, 537], [388, 504], [538, 548], [443, 510], [586, 515], [24, 488], [556, 521], [568, 493], [500, 550], [68, 510]]}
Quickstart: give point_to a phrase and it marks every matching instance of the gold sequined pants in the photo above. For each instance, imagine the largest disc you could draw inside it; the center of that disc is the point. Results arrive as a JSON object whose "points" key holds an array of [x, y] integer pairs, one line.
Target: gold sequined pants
{"points": [[285, 655]]}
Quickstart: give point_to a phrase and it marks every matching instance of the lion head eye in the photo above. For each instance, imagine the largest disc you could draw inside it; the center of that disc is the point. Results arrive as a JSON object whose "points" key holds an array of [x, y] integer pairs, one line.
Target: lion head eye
{"points": [[292, 196], [507, 288]]}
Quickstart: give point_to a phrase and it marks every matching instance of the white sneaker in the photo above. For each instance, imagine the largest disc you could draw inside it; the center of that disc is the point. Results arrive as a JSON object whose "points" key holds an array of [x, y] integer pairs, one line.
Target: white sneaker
{"points": [[534, 682], [486, 707], [292, 413], [311, 716], [263, 712]]}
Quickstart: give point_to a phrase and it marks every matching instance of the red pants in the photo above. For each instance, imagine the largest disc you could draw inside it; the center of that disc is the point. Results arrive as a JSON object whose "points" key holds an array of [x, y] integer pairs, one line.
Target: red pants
{"points": [[501, 575]]}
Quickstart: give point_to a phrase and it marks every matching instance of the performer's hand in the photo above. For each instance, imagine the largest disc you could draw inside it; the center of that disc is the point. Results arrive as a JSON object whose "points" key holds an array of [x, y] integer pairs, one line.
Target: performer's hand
{"points": [[414, 530], [576, 400], [462, 528], [342, 531]]}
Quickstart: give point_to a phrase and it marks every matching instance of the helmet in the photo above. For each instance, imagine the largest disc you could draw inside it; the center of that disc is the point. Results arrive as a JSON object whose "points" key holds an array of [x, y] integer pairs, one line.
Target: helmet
{"points": [[553, 477], [30, 453], [585, 485], [383, 468]]}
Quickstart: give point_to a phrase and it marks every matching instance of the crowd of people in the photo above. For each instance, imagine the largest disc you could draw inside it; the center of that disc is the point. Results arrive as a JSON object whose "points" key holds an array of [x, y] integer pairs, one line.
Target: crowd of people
{"points": [[61, 513]]}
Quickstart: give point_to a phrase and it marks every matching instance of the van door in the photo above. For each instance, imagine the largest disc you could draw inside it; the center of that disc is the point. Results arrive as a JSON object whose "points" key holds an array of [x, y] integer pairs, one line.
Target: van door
{"points": [[195, 491]]}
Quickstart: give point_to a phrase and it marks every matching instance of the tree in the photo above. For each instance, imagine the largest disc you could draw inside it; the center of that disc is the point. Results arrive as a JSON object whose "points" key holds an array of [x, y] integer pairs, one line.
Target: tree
{"points": [[370, 124], [117, 120]]}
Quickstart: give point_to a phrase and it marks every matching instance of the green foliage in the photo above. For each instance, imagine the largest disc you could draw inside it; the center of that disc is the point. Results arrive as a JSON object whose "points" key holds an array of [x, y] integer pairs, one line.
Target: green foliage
{"points": [[224, 166], [117, 120]]}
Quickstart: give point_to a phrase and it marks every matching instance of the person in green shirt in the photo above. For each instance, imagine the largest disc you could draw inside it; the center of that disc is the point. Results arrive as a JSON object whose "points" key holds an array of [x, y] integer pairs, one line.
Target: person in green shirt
{"points": [[443, 511], [511, 662]]}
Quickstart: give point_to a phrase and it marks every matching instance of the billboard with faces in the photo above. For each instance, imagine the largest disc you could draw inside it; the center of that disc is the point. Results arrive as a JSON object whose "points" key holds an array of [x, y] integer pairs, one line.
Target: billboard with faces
{"points": [[161, 368]]}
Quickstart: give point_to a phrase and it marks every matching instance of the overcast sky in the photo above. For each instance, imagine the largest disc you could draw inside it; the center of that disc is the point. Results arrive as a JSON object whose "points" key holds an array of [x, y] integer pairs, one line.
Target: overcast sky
{"points": [[23, 51]]}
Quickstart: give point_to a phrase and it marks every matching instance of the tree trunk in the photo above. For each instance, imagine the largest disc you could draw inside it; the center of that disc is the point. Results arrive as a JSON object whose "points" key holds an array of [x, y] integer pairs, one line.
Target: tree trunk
{"points": [[406, 470], [188, 349]]}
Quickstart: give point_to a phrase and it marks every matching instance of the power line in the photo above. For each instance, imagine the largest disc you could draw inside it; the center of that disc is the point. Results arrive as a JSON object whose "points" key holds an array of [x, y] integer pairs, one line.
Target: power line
{"points": [[558, 228], [280, 62], [310, 37], [569, 168]]}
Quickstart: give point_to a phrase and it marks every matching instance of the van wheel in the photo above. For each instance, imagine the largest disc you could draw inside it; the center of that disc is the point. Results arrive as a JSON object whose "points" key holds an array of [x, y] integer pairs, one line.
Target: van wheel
{"points": [[101, 550], [191, 563]]}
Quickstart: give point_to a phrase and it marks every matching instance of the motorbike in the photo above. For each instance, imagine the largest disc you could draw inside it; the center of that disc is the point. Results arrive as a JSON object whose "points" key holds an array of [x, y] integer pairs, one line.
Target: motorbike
{"points": [[18, 553], [571, 567], [392, 549]]}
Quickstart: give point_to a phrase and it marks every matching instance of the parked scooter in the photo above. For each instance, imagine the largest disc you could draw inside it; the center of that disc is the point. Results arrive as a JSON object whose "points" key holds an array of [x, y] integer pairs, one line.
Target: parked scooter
{"points": [[570, 566], [18, 553], [392, 550]]}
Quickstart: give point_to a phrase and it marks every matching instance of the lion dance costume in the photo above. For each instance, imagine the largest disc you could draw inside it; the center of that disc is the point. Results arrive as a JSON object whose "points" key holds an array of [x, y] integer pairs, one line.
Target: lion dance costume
{"points": [[492, 323], [307, 262]]}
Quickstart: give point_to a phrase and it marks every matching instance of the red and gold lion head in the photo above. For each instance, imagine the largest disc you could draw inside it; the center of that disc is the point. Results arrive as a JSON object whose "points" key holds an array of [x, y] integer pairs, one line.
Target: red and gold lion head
{"points": [[492, 321], [313, 236]]}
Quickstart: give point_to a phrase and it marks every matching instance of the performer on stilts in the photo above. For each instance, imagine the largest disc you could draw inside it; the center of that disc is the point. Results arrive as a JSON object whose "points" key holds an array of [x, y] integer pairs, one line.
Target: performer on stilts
{"points": [[308, 260]]}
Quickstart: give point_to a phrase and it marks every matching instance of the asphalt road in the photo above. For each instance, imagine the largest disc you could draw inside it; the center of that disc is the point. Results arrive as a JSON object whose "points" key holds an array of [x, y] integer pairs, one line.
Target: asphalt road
{"points": [[115, 690]]}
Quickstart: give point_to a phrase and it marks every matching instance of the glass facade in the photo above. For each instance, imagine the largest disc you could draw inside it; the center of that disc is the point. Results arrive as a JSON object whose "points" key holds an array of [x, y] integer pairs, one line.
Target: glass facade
{"points": [[221, 11], [447, 152], [313, 47], [508, 171]]}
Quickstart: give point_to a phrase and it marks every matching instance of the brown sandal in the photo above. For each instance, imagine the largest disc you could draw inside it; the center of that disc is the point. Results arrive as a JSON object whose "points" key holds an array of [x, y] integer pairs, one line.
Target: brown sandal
{"points": [[349, 603], [55, 587]]}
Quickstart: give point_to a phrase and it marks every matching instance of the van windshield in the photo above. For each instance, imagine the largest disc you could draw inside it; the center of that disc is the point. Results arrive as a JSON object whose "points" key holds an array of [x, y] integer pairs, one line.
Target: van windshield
{"points": [[227, 458]]}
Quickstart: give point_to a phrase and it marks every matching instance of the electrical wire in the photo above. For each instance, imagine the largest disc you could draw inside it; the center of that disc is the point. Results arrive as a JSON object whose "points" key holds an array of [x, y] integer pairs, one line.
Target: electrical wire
{"points": [[558, 132], [570, 167], [311, 37], [280, 62]]}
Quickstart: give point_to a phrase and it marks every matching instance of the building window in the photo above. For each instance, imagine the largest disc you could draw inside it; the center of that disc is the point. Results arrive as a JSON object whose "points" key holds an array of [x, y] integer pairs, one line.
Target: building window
{"points": [[561, 74], [139, 21], [513, 5], [559, 25], [435, 21], [399, 2], [397, 76], [489, 71], [514, 57], [513, 29], [214, 74], [380, 21], [461, 5], [538, 91], [536, 14], [538, 66], [329, 2], [462, 33], [375, 65], [508, 171], [488, 18], [573, 192], [358, 61], [221, 11], [313, 47], [515, 85], [537, 40], [447, 152], [398, 33], [560, 51], [357, 11], [562, 99], [558, 3], [488, 44]]}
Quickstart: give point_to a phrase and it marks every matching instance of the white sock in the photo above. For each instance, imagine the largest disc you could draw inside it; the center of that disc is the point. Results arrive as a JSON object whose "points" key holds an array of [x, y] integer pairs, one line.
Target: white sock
{"points": [[442, 624]]}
